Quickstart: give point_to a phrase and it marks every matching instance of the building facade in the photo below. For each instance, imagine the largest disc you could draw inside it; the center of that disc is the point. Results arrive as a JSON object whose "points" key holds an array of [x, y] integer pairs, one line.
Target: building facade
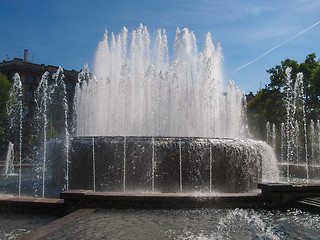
{"points": [[30, 75]]}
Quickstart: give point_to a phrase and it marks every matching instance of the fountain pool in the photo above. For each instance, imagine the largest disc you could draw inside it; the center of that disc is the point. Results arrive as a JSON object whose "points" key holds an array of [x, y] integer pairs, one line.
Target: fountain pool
{"points": [[186, 224], [13, 226]]}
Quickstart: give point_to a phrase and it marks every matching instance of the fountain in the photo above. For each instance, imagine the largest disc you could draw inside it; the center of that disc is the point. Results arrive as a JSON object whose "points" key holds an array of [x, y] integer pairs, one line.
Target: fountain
{"points": [[142, 124], [145, 125], [299, 145]]}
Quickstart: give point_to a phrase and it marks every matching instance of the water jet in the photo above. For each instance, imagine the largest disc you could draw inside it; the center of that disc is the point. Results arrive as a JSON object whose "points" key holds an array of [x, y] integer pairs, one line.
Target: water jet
{"points": [[144, 124], [149, 129]]}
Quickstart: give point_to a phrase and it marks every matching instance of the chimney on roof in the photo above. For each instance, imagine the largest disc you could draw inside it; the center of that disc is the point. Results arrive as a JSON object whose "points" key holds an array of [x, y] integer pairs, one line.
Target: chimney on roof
{"points": [[25, 55]]}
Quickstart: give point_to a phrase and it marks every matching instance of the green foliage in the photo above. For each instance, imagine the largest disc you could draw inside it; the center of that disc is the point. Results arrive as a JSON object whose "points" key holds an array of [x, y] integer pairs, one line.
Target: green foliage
{"points": [[268, 105], [5, 86], [277, 73]]}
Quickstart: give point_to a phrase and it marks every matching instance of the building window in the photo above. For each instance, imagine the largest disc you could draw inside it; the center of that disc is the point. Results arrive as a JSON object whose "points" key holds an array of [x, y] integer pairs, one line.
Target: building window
{"points": [[31, 79], [30, 93]]}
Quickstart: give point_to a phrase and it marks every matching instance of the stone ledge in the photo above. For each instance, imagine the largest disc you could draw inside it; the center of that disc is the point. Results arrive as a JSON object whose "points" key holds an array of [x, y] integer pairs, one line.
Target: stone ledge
{"points": [[48, 206], [292, 187], [279, 194], [273, 195], [90, 199]]}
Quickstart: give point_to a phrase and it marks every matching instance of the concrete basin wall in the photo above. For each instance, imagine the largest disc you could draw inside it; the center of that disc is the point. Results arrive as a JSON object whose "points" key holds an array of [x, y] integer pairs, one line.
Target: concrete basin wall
{"points": [[167, 165]]}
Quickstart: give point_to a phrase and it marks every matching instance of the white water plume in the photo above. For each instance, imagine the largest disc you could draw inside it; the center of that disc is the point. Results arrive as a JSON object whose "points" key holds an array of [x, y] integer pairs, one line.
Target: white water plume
{"points": [[9, 166], [137, 92]]}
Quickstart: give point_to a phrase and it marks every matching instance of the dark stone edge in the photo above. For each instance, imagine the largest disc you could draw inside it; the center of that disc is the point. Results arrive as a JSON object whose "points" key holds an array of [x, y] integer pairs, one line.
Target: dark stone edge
{"points": [[46, 206], [285, 195], [272, 195], [161, 201]]}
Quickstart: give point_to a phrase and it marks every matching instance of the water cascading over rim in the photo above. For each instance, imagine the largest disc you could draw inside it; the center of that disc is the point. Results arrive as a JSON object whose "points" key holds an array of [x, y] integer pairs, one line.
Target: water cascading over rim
{"points": [[163, 164]]}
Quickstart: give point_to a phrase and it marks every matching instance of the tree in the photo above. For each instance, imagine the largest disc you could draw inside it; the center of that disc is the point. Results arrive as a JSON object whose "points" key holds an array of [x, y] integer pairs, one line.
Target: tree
{"points": [[5, 86], [277, 78], [268, 104]]}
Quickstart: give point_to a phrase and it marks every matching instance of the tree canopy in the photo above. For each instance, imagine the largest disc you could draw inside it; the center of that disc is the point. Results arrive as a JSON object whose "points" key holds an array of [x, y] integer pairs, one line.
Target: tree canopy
{"points": [[268, 104], [4, 95]]}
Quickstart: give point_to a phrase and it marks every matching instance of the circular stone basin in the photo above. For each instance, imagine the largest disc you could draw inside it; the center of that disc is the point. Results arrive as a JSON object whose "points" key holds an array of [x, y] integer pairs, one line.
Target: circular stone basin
{"points": [[161, 164]]}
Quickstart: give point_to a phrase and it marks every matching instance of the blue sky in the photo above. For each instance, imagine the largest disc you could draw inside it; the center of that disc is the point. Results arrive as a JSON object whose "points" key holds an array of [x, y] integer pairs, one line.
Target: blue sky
{"points": [[66, 32]]}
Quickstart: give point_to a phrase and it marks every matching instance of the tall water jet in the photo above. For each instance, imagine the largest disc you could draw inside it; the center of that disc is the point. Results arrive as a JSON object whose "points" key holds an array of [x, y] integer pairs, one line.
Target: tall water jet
{"points": [[282, 146], [42, 100], [301, 114], [313, 142], [290, 113], [314, 150], [15, 115], [52, 117], [294, 139], [60, 98]]}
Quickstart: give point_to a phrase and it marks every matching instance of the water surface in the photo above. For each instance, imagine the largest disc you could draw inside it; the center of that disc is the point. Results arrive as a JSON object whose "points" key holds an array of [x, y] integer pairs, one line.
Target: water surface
{"points": [[192, 224]]}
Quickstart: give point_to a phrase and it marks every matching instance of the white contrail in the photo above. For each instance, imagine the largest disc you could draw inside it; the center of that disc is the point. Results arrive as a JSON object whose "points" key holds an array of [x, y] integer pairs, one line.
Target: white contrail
{"points": [[288, 40]]}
